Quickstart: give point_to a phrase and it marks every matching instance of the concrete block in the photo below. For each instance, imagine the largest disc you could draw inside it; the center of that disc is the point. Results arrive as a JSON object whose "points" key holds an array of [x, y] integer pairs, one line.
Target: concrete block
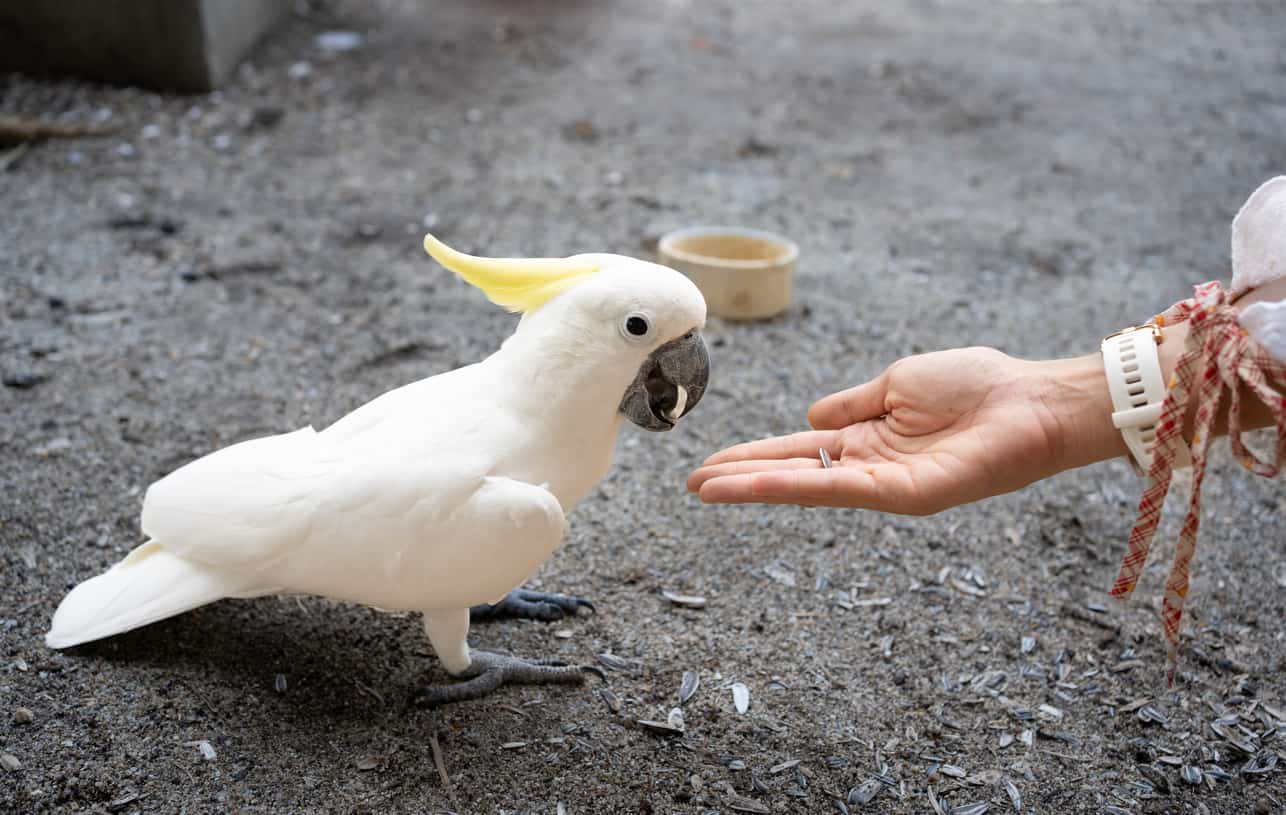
{"points": [[181, 45]]}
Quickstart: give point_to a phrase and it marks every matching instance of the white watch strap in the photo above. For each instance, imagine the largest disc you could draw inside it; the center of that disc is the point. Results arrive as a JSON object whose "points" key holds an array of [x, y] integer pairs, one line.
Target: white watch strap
{"points": [[1134, 379]]}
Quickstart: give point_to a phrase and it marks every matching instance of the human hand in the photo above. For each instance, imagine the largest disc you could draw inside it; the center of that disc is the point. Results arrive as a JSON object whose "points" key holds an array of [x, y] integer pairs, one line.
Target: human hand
{"points": [[931, 432]]}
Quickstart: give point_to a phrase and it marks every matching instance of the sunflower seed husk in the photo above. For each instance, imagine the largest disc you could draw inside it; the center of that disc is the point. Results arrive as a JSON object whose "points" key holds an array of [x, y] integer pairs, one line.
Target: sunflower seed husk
{"points": [[1229, 735], [688, 686], [738, 803], [1051, 712], [1028, 645], [836, 762], [613, 702], [367, 763], [660, 728], [741, 697], [784, 766], [952, 771], [984, 778], [1156, 777], [1014, 797], [279, 683], [1111, 810], [1149, 713], [967, 588], [1218, 773], [938, 807], [513, 745], [1006, 739], [840, 806], [1260, 763], [685, 600], [117, 804], [978, 808], [864, 794], [1028, 738], [207, 750], [779, 574], [620, 663], [1190, 774], [1173, 761], [675, 719]]}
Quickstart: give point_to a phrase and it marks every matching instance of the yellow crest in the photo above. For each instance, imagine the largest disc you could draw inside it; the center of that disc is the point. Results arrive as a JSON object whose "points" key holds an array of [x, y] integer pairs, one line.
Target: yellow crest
{"points": [[518, 284]]}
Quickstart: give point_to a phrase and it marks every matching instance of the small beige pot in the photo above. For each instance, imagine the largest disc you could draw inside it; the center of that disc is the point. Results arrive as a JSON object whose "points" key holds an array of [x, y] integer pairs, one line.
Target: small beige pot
{"points": [[744, 274]]}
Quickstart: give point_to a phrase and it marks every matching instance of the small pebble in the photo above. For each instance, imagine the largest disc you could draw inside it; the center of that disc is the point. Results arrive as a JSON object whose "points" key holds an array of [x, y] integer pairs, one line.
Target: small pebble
{"points": [[279, 683], [367, 763], [22, 715], [10, 762]]}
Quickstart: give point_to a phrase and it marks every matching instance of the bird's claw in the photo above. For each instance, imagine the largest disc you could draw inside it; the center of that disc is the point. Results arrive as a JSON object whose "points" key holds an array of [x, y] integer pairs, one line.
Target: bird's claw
{"points": [[531, 605], [488, 671]]}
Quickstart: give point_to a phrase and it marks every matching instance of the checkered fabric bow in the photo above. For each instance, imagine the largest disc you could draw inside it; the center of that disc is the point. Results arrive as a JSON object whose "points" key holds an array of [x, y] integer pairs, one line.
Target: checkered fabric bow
{"points": [[1217, 356]]}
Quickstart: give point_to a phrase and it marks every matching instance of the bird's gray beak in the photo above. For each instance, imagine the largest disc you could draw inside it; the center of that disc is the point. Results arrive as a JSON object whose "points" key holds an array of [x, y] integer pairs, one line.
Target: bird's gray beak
{"points": [[669, 384]]}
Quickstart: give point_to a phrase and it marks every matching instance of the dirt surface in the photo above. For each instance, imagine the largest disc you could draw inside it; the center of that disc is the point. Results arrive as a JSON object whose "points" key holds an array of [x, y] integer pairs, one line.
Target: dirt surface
{"points": [[1019, 174]]}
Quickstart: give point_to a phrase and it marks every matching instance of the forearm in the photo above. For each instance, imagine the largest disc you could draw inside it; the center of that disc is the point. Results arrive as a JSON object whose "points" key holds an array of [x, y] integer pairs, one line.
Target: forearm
{"points": [[1076, 395]]}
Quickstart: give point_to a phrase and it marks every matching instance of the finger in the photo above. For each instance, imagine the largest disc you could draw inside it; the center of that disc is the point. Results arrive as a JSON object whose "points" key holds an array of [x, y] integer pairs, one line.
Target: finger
{"points": [[838, 486], [796, 445], [747, 466], [858, 404]]}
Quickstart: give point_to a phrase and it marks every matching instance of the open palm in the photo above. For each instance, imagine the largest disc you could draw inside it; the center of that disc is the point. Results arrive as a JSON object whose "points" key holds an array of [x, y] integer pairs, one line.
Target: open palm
{"points": [[930, 432]]}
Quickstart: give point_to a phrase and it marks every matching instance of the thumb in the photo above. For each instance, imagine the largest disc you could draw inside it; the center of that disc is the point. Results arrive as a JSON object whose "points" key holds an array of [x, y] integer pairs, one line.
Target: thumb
{"points": [[848, 407]]}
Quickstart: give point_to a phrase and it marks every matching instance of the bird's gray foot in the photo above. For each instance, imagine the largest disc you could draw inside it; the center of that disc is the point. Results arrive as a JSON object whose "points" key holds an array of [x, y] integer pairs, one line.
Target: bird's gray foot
{"points": [[488, 671], [530, 605]]}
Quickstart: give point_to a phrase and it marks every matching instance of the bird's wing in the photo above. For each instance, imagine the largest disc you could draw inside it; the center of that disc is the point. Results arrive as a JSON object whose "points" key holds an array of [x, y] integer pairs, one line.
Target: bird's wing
{"points": [[477, 549], [243, 504]]}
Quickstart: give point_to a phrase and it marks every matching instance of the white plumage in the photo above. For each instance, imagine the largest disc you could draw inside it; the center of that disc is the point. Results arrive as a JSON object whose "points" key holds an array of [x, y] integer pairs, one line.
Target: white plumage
{"points": [[439, 495]]}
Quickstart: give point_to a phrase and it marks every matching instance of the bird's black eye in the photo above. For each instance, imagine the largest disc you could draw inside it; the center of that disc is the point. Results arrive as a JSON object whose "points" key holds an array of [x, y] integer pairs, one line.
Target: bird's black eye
{"points": [[636, 325]]}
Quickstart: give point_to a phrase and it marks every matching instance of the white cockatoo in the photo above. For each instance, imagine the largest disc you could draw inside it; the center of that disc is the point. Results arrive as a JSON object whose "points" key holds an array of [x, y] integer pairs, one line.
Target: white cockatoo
{"points": [[438, 496]]}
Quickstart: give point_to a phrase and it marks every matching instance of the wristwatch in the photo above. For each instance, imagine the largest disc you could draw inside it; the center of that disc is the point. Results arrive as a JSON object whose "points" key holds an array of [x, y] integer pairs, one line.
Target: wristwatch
{"points": [[1137, 387]]}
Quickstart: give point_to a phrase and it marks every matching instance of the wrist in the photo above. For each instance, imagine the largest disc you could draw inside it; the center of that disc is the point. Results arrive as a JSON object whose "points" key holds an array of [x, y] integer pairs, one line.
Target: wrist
{"points": [[1079, 405]]}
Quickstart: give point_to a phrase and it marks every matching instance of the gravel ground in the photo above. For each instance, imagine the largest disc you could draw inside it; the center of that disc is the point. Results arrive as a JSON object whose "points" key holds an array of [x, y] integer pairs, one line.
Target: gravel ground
{"points": [[1029, 175]]}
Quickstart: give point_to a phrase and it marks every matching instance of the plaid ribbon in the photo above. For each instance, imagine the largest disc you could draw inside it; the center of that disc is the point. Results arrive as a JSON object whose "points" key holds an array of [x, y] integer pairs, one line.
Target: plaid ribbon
{"points": [[1218, 355]]}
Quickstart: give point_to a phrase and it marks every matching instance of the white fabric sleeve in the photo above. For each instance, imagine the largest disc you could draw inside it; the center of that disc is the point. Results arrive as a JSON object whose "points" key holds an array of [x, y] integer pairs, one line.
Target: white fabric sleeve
{"points": [[1258, 257], [1259, 237], [1266, 323]]}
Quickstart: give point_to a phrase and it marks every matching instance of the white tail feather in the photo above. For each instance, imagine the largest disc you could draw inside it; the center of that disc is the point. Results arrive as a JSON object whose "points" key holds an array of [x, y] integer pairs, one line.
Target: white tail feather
{"points": [[150, 584]]}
